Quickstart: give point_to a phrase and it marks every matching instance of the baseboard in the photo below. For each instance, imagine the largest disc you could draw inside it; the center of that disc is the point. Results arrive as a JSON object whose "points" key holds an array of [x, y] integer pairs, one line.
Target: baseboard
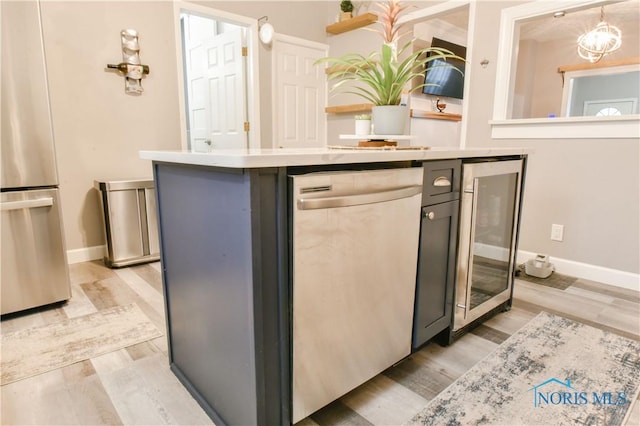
{"points": [[492, 252], [572, 268], [601, 274], [86, 254]]}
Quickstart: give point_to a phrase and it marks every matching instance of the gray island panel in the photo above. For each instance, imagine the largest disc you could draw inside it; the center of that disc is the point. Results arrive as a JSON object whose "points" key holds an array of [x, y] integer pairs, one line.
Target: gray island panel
{"points": [[217, 227]]}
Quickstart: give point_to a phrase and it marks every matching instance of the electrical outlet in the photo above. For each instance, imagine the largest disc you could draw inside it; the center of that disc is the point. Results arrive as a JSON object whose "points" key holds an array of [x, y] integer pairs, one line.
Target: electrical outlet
{"points": [[557, 232]]}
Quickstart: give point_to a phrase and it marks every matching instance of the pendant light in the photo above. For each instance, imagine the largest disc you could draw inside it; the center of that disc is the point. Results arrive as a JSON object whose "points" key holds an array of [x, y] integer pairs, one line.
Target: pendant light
{"points": [[600, 41]]}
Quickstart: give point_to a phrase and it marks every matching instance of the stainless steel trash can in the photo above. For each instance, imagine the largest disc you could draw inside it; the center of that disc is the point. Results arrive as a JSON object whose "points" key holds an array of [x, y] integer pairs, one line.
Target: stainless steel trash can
{"points": [[131, 226]]}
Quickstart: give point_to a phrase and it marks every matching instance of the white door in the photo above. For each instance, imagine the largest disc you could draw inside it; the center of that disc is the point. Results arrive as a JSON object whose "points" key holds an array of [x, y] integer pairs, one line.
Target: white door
{"points": [[299, 93], [215, 75], [610, 107]]}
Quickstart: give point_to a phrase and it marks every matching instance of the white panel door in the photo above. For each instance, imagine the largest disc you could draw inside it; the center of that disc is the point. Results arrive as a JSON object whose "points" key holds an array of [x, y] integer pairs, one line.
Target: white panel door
{"points": [[299, 94], [610, 107], [196, 30], [198, 121], [225, 78], [215, 75]]}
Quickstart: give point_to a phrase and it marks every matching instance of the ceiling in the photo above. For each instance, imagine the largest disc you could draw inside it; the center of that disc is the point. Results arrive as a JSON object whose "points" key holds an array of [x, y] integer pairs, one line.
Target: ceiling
{"points": [[623, 14]]}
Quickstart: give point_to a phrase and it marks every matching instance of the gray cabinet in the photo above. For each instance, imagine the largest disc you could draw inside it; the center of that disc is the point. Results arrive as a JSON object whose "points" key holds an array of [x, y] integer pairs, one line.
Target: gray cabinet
{"points": [[226, 238], [437, 254], [225, 274], [441, 181]]}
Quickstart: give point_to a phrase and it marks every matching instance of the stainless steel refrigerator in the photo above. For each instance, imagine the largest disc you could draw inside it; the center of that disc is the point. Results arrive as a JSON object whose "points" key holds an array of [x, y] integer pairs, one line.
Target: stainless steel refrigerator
{"points": [[34, 269]]}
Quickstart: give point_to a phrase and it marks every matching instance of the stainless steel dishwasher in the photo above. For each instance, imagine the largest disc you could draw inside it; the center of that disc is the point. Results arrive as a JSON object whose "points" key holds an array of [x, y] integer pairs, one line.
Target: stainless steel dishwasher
{"points": [[355, 246]]}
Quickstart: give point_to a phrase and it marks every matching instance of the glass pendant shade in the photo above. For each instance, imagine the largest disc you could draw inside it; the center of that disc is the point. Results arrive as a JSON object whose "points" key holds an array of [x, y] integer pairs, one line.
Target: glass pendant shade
{"points": [[265, 30], [266, 33], [600, 41]]}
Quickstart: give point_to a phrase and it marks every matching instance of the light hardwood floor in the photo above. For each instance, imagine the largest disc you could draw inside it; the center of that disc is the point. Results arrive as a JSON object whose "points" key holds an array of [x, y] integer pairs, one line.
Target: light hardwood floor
{"points": [[135, 386]]}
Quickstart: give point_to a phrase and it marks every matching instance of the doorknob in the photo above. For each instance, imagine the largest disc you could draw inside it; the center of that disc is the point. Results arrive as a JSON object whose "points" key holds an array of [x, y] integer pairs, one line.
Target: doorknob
{"points": [[430, 215], [207, 141]]}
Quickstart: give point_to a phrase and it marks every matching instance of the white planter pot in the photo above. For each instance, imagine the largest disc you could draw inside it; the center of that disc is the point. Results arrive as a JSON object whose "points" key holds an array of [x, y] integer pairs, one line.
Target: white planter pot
{"points": [[363, 127], [389, 119]]}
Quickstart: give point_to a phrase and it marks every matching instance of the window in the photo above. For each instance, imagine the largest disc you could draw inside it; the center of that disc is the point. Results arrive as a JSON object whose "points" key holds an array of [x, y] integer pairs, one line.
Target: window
{"points": [[516, 115], [600, 92]]}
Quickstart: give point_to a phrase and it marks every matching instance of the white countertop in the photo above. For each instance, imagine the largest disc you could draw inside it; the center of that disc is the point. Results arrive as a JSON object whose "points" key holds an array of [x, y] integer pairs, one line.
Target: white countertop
{"points": [[257, 158]]}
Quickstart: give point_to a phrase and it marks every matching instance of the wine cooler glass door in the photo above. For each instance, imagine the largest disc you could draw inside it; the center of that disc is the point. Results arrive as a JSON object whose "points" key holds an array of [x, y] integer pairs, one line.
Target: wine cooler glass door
{"points": [[489, 213]]}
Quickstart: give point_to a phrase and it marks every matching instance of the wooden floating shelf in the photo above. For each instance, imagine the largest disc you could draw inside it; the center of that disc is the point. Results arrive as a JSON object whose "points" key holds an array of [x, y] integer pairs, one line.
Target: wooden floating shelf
{"points": [[344, 109], [417, 113], [414, 113], [601, 64], [352, 24]]}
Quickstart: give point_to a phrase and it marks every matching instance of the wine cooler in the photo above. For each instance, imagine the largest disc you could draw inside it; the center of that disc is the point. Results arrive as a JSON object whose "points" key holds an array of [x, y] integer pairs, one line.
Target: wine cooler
{"points": [[489, 216]]}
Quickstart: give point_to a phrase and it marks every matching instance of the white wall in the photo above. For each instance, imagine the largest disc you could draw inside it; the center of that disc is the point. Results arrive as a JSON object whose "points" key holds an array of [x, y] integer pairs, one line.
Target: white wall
{"points": [[431, 132], [591, 186], [358, 41], [538, 82], [99, 129]]}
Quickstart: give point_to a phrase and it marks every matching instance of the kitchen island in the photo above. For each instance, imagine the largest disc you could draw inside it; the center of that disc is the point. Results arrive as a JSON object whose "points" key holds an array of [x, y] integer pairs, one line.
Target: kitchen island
{"points": [[226, 236]]}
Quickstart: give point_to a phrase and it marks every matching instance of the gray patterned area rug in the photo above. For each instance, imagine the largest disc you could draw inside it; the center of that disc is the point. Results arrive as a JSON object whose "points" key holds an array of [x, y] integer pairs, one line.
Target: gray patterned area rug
{"points": [[36, 350], [553, 371]]}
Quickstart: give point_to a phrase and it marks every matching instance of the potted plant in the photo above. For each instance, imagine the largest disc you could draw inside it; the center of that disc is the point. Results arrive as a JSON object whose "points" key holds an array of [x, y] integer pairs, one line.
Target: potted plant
{"points": [[383, 77], [347, 10]]}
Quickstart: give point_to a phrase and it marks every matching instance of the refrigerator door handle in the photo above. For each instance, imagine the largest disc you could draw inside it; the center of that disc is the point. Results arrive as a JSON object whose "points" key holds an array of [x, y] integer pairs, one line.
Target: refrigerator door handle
{"points": [[26, 204]]}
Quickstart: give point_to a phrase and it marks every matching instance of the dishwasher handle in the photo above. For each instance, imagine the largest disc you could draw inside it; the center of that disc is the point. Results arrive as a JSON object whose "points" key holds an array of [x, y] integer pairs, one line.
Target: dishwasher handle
{"points": [[358, 199]]}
